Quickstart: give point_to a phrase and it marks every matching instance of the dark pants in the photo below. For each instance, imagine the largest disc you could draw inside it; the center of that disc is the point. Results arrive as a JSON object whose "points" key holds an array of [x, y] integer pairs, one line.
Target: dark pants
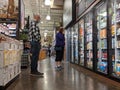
{"points": [[49, 53], [59, 54], [35, 48]]}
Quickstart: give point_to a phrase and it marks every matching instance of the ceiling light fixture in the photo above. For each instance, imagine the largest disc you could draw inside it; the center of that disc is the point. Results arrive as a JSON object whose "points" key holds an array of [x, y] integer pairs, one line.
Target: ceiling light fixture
{"points": [[48, 17], [42, 6], [45, 34], [47, 2]]}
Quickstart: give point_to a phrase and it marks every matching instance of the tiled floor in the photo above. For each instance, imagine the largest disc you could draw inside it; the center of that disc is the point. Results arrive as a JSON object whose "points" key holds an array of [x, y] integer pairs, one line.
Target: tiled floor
{"points": [[69, 78]]}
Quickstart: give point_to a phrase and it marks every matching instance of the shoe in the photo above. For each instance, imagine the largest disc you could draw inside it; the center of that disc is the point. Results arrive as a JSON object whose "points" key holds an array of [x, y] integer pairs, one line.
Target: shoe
{"points": [[58, 68], [37, 74], [61, 67]]}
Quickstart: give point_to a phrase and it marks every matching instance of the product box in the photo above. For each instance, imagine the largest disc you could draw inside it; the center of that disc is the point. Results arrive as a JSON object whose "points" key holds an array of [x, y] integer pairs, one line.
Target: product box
{"points": [[103, 66], [1, 59], [18, 68], [3, 76], [103, 33], [13, 46], [113, 30], [6, 57], [81, 32], [16, 47], [11, 57], [4, 46], [113, 42], [118, 31], [118, 69], [11, 71], [118, 44]]}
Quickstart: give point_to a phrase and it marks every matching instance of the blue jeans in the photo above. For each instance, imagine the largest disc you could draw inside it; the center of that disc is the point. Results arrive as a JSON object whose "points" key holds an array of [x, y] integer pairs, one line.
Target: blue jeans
{"points": [[35, 48]]}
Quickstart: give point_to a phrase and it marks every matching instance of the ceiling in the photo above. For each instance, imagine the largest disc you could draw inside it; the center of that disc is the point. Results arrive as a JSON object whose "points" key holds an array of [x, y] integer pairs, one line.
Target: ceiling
{"points": [[55, 10]]}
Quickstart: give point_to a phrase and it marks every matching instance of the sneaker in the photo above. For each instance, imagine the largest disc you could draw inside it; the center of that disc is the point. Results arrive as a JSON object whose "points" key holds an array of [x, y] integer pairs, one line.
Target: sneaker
{"points": [[61, 67], [57, 68], [37, 74]]}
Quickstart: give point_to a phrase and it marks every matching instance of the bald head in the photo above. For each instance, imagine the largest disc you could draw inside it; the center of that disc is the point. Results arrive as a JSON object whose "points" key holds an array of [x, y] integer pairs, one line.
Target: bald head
{"points": [[37, 18]]}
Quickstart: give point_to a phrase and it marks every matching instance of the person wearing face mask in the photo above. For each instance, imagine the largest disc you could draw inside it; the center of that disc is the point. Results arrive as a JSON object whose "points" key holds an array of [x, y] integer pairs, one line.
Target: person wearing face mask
{"points": [[34, 38]]}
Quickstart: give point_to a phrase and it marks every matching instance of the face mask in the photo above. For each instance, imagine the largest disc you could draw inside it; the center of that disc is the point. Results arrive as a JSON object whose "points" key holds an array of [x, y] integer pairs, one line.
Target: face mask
{"points": [[37, 22]]}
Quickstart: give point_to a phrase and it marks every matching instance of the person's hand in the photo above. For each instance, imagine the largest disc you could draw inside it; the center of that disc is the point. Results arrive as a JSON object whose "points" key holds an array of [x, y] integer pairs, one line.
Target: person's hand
{"points": [[30, 54]]}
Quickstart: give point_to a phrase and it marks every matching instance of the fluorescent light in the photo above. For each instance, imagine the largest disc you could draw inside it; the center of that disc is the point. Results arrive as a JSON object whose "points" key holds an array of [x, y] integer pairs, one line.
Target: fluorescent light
{"points": [[103, 14], [42, 6], [45, 34], [48, 17], [47, 2], [46, 30], [41, 21]]}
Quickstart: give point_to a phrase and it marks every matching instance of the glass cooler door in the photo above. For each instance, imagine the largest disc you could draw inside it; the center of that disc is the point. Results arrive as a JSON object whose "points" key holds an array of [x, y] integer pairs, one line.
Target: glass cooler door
{"points": [[88, 41], [115, 31], [102, 61], [81, 42]]}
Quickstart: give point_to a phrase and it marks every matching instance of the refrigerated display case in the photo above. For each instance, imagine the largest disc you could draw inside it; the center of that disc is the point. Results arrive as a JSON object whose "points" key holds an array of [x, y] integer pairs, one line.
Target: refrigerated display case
{"points": [[81, 42], [102, 60], [89, 40], [115, 33]]}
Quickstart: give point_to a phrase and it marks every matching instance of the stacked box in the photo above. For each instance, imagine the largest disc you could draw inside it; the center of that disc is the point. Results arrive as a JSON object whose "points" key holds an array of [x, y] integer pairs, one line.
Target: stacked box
{"points": [[10, 57], [3, 76]]}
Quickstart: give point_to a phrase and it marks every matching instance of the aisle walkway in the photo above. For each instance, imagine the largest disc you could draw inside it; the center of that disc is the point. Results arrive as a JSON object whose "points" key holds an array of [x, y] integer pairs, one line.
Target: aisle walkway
{"points": [[68, 79]]}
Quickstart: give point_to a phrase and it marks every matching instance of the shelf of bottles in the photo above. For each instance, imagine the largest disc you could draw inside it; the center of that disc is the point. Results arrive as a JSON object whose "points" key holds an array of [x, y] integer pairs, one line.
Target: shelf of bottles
{"points": [[115, 31], [81, 42], [102, 39], [76, 43], [88, 41]]}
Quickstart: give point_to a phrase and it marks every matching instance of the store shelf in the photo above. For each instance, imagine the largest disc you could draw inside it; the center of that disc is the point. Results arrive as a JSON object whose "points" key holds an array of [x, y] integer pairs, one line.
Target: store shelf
{"points": [[10, 56]]}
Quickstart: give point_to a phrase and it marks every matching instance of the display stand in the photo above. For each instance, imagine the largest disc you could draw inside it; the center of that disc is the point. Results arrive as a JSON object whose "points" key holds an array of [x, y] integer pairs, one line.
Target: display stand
{"points": [[10, 60], [25, 59]]}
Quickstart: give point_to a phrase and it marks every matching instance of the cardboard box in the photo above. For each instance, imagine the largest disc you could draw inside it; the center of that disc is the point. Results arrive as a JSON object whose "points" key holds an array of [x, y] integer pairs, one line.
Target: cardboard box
{"points": [[4, 46], [6, 57]]}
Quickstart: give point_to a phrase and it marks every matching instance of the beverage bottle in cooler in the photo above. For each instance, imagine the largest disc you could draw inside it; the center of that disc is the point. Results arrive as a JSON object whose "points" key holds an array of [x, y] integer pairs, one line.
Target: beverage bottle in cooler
{"points": [[118, 69]]}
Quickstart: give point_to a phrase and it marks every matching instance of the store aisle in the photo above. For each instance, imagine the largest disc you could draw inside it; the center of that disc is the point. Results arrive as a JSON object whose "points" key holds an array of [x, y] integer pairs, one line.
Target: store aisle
{"points": [[68, 79]]}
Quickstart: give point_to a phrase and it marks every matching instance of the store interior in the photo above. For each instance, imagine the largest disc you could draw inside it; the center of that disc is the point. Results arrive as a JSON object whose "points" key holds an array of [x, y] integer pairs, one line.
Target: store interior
{"points": [[92, 34]]}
